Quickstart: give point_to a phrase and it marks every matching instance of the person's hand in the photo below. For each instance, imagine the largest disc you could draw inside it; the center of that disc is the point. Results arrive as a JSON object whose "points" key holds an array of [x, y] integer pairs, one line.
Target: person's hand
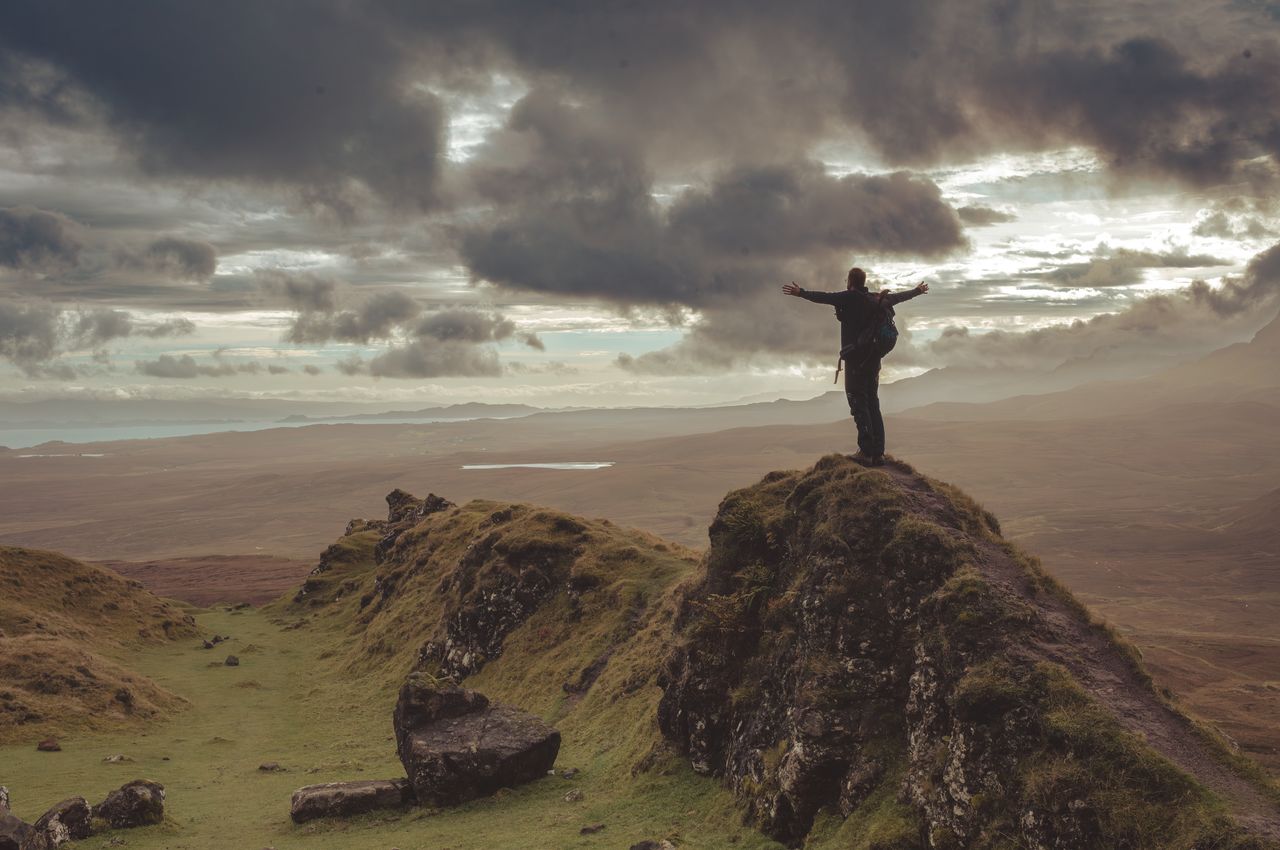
{"points": [[922, 287], [792, 288]]}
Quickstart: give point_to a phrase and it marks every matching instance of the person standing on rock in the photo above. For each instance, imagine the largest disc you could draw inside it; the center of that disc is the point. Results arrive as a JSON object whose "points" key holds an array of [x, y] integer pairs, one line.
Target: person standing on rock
{"points": [[867, 334]]}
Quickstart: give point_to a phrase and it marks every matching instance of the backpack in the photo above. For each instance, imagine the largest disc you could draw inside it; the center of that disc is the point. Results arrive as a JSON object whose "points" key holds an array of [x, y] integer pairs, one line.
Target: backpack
{"points": [[876, 340]]}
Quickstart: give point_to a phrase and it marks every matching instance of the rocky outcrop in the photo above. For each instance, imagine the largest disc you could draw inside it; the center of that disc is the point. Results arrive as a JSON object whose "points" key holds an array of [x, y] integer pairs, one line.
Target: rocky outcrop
{"points": [[456, 746], [136, 803], [343, 799], [864, 641]]}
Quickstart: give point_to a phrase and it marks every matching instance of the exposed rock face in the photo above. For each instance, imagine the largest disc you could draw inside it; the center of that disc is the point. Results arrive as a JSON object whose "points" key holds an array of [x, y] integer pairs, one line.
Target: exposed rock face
{"points": [[4, 800], [403, 512], [864, 638], [66, 821], [456, 746], [136, 803], [342, 799]]}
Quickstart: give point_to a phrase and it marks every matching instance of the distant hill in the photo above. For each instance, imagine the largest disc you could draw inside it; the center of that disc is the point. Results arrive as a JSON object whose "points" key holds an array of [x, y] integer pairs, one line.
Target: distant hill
{"points": [[860, 657], [63, 623], [1247, 371]]}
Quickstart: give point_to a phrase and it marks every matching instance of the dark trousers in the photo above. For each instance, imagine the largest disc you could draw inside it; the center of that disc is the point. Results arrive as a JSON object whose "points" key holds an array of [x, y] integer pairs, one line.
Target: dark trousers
{"points": [[862, 389]]}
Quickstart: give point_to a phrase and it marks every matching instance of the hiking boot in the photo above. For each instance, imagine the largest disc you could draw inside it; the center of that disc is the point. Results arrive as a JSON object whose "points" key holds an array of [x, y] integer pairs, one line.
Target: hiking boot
{"points": [[862, 458], [878, 460]]}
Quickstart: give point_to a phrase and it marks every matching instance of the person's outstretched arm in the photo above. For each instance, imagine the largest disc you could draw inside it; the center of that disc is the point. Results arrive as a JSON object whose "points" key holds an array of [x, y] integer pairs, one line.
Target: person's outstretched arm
{"points": [[816, 297], [898, 297]]}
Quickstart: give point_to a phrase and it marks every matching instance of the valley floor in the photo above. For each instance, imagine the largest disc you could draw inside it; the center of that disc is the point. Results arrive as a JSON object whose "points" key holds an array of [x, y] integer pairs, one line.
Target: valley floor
{"points": [[284, 704]]}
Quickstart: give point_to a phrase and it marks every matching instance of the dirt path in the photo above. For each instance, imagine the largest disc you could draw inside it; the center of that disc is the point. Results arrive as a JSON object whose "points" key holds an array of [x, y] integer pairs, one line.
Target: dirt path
{"points": [[1064, 637]]}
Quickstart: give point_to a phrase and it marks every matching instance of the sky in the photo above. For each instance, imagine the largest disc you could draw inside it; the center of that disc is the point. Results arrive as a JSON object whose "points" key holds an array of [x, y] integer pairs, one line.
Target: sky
{"points": [[570, 203]]}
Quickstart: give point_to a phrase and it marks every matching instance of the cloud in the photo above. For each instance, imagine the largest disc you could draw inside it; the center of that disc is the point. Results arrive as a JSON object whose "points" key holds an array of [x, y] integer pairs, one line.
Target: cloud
{"points": [[311, 369], [169, 327], [307, 293], [376, 318], [574, 214], [425, 358], [37, 241], [1122, 267], [184, 259], [314, 97], [186, 367], [275, 369], [1162, 324], [980, 216], [34, 335], [29, 334], [465, 326]]}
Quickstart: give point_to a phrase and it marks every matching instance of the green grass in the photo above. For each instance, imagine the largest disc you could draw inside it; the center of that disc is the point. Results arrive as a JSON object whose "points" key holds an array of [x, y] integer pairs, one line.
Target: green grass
{"points": [[287, 704]]}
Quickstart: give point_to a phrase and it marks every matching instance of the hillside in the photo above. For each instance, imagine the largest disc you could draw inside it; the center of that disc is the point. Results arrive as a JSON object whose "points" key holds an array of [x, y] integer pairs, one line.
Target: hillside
{"points": [[859, 658], [64, 625]]}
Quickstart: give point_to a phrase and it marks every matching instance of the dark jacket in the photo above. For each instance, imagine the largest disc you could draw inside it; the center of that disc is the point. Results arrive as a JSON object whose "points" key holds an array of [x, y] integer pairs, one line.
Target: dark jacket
{"points": [[857, 308]]}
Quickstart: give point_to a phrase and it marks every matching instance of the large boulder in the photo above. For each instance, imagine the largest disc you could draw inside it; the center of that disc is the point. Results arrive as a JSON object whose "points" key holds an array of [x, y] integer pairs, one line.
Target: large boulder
{"points": [[69, 820], [15, 834], [136, 803], [457, 746], [340, 799]]}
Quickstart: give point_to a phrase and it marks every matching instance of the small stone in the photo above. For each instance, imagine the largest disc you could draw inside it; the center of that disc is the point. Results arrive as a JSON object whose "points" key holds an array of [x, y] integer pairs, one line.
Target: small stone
{"points": [[271, 767], [591, 830], [569, 773], [49, 745], [117, 758], [574, 796], [232, 661], [207, 645], [4, 800]]}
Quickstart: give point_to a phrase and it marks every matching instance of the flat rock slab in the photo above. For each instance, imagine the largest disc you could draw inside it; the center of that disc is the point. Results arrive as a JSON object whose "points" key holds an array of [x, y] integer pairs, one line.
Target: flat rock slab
{"points": [[455, 759], [341, 799]]}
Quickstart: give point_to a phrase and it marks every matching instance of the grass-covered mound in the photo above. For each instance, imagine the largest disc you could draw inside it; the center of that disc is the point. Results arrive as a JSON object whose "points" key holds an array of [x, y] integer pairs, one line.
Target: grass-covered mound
{"points": [[64, 626]]}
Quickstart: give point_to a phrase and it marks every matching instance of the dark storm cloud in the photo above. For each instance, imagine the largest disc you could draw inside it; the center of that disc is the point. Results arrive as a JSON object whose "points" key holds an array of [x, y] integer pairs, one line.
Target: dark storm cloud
{"points": [[573, 213], [981, 216], [1167, 322], [33, 240], [314, 96]]}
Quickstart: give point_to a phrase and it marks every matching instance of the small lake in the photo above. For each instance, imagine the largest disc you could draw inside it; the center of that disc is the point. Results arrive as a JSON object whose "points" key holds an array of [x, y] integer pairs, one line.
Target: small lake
{"points": [[595, 464]]}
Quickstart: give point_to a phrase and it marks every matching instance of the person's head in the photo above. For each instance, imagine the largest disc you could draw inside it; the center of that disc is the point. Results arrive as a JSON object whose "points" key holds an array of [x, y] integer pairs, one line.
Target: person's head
{"points": [[857, 279]]}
